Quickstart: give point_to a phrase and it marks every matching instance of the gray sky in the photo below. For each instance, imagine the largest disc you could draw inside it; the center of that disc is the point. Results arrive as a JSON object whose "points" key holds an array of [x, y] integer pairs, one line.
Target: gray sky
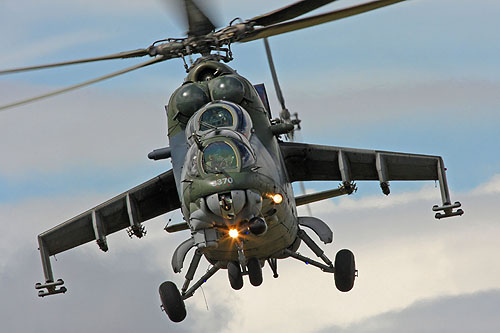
{"points": [[421, 77]]}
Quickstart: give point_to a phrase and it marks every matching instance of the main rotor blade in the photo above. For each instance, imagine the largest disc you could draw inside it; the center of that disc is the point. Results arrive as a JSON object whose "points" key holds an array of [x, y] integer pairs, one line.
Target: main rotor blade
{"points": [[289, 12], [277, 87], [198, 21], [121, 55], [86, 83], [282, 28]]}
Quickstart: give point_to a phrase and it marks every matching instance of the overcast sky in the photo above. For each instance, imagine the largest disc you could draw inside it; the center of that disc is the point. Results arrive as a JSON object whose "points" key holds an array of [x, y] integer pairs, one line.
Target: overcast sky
{"points": [[421, 76]]}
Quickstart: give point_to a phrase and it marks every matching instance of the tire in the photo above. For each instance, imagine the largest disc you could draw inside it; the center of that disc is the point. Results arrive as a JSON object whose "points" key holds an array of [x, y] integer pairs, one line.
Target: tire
{"points": [[234, 275], [172, 301], [345, 270], [254, 272]]}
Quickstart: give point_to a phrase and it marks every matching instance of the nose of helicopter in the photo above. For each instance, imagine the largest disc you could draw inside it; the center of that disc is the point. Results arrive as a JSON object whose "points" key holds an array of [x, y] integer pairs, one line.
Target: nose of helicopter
{"points": [[234, 206], [229, 208]]}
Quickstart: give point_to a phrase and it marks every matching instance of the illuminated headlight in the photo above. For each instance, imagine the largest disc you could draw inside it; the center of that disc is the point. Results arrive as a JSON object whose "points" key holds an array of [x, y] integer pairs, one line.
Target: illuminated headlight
{"points": [[233, 233], [277, 198]]}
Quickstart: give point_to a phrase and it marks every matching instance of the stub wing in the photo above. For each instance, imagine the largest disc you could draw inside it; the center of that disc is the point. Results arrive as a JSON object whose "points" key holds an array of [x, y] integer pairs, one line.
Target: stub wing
{"points": [[306, 162], [127, 210]]}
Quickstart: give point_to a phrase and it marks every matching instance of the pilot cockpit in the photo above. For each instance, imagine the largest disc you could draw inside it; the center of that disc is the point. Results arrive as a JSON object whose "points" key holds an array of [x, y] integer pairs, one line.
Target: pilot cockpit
{"points": [[215, 117]]}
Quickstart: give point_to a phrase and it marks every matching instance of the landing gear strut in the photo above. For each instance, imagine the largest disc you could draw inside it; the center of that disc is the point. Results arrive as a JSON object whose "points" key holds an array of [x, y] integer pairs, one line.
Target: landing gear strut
{"points": [[173, 301], [344, 270], [273, 263]]}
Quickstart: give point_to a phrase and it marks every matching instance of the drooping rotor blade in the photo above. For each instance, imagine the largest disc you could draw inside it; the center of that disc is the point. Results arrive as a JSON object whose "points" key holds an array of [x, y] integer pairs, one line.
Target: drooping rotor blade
{"points": [[277, 87], [86, 83], [198, 21], [121, 55], [289, 12], [282, 28]]}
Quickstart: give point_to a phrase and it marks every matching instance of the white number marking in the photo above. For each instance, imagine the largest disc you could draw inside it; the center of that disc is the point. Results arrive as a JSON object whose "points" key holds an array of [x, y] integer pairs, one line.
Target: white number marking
{"points": [[222, 181]]}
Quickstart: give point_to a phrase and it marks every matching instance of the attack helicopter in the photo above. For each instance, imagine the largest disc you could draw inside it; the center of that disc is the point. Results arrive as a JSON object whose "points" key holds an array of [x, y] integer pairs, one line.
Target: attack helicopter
{"points": [[232, 171]]}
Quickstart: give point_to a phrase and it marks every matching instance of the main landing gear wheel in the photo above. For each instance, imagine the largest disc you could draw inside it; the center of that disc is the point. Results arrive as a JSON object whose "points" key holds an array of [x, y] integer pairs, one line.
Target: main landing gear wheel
{"points": [[345, 270], [254, 272], [172, 301], [234, 275]]}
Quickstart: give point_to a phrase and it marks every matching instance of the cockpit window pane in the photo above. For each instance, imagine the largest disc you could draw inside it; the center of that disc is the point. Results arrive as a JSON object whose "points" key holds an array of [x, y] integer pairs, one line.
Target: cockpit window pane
{"points": [[218, 157], [247, 158], [192, 161], [216, 117]]}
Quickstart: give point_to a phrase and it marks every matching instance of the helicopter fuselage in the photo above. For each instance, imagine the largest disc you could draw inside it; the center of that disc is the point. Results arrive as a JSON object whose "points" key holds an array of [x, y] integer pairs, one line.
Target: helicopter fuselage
{"points": [[228, 167]]}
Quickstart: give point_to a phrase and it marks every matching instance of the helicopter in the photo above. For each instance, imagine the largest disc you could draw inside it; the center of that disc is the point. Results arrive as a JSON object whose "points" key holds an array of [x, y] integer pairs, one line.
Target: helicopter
{"points": [[232, 174]]}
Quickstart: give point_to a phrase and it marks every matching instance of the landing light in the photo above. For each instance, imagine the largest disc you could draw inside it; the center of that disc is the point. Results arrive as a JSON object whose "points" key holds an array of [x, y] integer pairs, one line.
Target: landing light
{"points": [[233, 233], [277, 198]]}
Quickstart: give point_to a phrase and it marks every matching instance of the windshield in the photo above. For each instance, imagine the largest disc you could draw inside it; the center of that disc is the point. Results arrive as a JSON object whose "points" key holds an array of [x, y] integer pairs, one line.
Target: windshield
{"points": [[219, 157], [216, 117]]}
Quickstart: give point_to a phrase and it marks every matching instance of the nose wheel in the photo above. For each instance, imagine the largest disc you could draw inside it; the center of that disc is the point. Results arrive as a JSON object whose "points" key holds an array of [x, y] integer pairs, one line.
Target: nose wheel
{"points": [[253, 270], [234, 274]]}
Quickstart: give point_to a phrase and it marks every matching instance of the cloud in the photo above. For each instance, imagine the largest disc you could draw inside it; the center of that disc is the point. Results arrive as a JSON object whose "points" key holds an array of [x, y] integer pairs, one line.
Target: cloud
{"points": [[476, 312], [492, 187], [373, 103], [85, 129]]}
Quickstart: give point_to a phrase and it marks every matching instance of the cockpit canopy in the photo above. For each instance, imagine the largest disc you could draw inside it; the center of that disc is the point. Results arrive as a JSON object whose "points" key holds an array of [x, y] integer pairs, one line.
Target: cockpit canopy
{"points": [[215, 117], [220, 154], [219, 115]]}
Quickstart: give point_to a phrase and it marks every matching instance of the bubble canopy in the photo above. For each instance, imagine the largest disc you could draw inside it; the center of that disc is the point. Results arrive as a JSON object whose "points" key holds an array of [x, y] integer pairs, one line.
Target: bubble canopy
{"points": [[216, 117], [219, 155], [219, 115]]}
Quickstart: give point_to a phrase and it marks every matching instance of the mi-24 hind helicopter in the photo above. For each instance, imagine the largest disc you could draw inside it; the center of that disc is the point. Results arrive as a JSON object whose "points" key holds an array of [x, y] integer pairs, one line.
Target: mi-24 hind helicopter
{"points": [[232, 175]]}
